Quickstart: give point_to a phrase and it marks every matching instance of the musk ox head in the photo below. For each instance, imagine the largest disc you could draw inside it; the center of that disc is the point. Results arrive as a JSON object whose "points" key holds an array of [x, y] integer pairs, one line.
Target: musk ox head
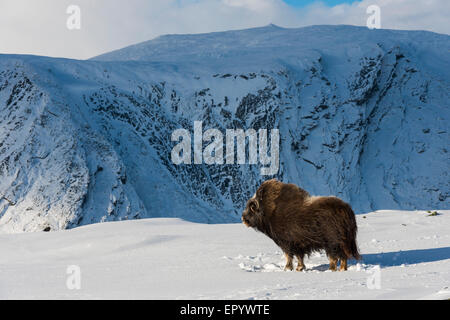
{"points": [[252, 214], [261, 205]]}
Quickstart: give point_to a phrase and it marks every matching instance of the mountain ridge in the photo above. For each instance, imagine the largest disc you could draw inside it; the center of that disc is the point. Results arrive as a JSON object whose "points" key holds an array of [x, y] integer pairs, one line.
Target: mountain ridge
{"points": [[268, 33]]}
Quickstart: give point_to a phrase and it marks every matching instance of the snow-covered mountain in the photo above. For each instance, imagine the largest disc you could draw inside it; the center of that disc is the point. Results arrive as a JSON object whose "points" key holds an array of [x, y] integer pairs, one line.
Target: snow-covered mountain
{"points": [[363, 114]]}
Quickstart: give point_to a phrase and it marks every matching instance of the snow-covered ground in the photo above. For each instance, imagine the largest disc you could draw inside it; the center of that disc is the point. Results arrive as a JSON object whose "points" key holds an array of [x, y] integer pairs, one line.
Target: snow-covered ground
{"points": [[174, 259]]}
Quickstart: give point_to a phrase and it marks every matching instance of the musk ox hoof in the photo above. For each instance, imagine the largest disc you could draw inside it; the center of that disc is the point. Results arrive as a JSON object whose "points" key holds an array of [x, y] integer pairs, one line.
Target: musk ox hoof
{"points": [[300, 268], [333, 264], [289, 267], [343, 266]]}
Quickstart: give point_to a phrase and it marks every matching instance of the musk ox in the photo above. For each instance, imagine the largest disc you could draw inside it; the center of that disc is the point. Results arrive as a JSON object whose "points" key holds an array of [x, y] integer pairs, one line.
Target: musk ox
{"points": [[300, 224]]}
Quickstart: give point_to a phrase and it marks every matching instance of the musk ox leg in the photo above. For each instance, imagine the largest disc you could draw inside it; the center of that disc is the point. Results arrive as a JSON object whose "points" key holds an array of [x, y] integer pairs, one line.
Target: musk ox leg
{"points": [[333, 263], [289, 264], [343, 266], [300, 265]]}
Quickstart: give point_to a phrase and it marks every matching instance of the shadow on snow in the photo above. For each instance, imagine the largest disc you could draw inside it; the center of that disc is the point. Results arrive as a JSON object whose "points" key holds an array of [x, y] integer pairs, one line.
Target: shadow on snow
{"points": [[397, 258]]}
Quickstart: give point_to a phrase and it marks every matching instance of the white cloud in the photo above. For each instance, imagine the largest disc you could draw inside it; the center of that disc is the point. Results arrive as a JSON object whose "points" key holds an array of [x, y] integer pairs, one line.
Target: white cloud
{"points": [[431, 15], [39, 27], [253, 5]]}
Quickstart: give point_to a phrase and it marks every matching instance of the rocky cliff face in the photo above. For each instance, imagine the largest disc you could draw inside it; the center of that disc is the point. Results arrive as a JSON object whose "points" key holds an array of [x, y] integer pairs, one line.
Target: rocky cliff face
{"points": [[363, 114]]}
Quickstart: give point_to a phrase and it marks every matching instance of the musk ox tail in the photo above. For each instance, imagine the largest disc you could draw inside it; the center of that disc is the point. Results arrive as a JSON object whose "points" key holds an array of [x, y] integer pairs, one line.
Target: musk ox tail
{"points": [[355, 251], [350, 247], [352, 250]]}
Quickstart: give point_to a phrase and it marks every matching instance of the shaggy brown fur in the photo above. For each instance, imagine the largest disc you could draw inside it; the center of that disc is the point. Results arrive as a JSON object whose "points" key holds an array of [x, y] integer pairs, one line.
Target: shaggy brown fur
{"points": [[300, 224]]}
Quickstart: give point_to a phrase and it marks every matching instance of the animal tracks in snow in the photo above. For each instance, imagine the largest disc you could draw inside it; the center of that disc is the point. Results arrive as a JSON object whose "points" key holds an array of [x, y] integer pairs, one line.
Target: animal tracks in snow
{"points": [[275, 262]]}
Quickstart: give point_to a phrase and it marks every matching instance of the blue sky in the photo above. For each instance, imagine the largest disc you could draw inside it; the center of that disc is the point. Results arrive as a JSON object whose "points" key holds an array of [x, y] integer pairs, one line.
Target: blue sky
{"points": [[302, 3]]}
